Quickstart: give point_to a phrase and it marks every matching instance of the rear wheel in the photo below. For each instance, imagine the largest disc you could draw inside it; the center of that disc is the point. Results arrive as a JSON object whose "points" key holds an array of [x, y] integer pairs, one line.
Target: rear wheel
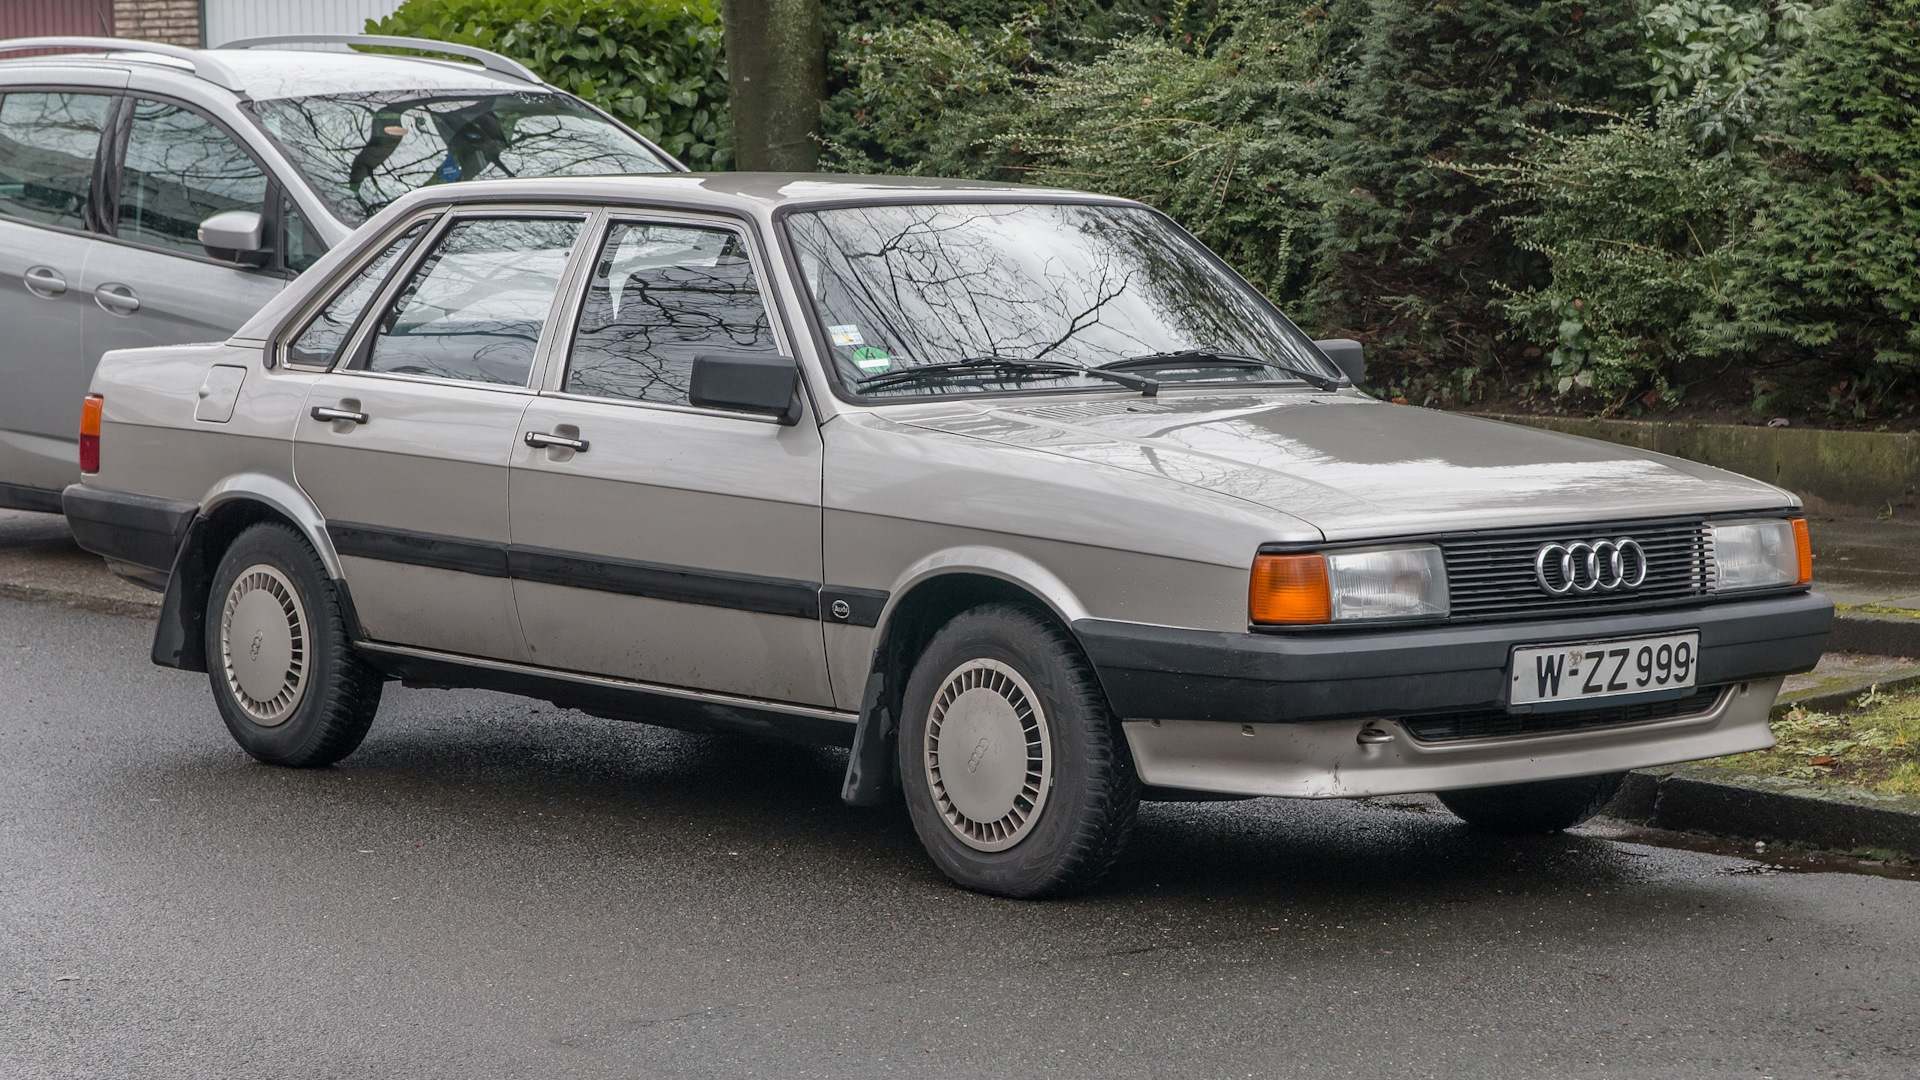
{"points": [[1018, 780], [1543, 806], [285, 677]]}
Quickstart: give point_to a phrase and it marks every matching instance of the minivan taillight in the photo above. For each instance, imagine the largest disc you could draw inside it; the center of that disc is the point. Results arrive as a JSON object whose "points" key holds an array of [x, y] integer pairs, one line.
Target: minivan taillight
{"points": [[90, 433]]}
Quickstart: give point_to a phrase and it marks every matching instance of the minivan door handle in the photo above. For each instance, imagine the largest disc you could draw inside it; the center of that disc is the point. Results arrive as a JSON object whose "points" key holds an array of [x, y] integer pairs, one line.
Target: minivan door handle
{"points": [[44, 281], [538, 439], [325, 414], [116, 299]]}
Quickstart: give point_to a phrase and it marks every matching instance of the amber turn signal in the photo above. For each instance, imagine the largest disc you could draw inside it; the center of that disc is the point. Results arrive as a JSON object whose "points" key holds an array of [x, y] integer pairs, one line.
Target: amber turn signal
{"points": [[90, 433], [1803, 543], [1289, 590]]}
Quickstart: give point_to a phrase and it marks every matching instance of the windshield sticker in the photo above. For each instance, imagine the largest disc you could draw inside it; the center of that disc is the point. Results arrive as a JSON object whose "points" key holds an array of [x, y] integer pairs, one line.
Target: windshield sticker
{"points": [[846, 335], [449, 170], [869, 358]]}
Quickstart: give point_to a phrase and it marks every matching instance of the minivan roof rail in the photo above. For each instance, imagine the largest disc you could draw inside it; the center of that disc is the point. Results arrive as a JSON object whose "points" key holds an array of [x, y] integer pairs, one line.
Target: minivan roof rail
{"points": [[492, 61], [206, 67]]}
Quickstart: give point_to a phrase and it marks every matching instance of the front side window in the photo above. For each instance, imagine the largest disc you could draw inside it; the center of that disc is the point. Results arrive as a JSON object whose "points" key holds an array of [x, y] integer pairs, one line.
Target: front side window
{"points": [[475, 306], [180, 170], [1014, 296], [47, 146], [362, 151], [318, 343], [661, 295]]}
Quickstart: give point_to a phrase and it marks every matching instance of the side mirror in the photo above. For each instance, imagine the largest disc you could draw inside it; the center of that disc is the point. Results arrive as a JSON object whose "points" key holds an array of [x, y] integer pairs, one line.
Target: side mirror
{"points": [[235, 236], [1347, 355], [762, 383]]}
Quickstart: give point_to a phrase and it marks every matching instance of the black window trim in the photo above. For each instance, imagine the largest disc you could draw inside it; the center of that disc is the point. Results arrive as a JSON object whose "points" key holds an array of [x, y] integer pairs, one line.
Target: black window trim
{"points": [[90, 218]]}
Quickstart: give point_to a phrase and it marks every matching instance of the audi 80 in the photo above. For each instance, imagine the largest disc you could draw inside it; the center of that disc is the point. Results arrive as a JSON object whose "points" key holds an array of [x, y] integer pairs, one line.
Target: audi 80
{"points": [[1021, 495]]}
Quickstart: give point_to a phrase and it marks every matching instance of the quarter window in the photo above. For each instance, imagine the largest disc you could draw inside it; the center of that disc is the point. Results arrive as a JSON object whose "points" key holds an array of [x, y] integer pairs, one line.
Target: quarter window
{"points": [[661, 295], [180, 170], [475, 306], [319, 341], [47, 146]]}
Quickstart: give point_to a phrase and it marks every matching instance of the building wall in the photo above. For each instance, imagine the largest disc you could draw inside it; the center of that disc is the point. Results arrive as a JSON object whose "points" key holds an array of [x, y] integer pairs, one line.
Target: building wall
{"points": [[50, 18], [230, 20], [175, 22]]}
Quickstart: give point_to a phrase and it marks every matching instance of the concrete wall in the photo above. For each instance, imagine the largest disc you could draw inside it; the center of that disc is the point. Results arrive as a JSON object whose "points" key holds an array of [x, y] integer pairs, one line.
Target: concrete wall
{"points": [[1846, 469]]}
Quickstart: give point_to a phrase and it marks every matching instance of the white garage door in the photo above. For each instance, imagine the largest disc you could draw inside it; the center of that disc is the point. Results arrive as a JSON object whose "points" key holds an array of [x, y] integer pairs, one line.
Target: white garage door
{"points": [[230, 20]]}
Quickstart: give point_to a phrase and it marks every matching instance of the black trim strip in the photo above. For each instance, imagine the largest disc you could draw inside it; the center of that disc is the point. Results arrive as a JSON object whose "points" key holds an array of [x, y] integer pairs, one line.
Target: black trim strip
{"points": [[682, 584], [627, 577], [419, 548], [22, 497]]}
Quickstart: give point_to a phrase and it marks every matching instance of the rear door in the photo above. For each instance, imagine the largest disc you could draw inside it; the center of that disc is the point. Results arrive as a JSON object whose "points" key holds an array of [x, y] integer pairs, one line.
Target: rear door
{"points": [[404, 445], [49, 142], [668, 544]]}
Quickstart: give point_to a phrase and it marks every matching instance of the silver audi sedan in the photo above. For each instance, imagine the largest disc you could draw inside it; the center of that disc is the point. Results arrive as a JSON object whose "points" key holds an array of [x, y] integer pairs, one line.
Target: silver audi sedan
{"points": [[1021, 495]]}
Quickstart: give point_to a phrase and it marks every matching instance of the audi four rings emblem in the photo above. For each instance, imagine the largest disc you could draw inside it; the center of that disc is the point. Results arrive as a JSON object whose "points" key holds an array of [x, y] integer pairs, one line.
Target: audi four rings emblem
{"points": [[1586, 566]]}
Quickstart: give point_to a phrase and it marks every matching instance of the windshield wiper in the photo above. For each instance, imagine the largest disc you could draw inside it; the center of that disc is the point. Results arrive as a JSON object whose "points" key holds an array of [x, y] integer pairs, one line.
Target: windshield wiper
{"points": [[1012, 367], [1214, 358]]}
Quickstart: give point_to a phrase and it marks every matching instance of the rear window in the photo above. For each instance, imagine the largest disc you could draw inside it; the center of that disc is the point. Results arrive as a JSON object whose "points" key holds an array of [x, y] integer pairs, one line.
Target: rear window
{"points": [[47, 146], [362, 151]]}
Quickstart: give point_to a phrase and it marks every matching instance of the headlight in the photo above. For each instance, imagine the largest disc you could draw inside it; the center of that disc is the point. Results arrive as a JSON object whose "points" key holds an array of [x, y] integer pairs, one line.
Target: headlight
{"points": [[1760, 554], [1346, 586]]}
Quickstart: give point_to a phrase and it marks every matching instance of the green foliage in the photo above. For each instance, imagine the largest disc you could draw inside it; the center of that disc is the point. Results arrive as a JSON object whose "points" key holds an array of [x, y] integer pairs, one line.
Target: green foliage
{"points": [[655, 64], [1723, 60]]}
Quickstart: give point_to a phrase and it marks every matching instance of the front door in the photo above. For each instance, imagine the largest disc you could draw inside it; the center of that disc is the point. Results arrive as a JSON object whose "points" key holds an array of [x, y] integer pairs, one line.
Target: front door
{"points": [[678, 546], [404, 447]]}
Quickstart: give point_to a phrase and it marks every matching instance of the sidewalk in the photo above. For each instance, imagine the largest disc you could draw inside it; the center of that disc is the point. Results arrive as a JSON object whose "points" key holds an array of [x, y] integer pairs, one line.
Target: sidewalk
{"points": [[1871, 569]]}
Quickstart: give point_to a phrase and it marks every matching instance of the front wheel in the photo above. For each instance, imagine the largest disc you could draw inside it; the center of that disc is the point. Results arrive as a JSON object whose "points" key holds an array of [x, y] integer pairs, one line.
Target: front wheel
{"points": [[285, 678], [1543, 806], [1016, 776]]}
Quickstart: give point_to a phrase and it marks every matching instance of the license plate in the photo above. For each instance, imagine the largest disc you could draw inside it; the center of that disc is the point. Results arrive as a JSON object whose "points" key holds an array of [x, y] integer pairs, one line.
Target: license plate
{"points": [[1544, 673]]}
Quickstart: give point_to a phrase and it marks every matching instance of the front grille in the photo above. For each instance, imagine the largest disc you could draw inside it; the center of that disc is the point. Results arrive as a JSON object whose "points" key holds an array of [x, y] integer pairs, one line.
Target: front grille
{"points": [[1491, 574], [1498, 723]]}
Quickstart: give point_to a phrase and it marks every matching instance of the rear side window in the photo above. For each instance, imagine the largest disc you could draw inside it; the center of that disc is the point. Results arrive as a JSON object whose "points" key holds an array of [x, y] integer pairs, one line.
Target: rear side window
{"points": [[319, 341], [182, 169], [475, 306], [47, 146], [661, 295]]}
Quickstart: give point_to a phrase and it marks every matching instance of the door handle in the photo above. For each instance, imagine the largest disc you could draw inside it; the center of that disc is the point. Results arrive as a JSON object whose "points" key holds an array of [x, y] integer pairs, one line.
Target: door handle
{"points": [[116, 299], [538, 439], [322, 412], [44, 281]]}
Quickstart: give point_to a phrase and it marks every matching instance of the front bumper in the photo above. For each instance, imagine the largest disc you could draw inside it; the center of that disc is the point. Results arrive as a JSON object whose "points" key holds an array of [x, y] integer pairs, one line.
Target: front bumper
{"points": [[1283, 714]]}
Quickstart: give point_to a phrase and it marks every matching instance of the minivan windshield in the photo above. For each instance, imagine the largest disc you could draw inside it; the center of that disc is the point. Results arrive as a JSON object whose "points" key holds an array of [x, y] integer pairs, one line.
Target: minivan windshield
{"points": [[954, 298], [362, 151]]}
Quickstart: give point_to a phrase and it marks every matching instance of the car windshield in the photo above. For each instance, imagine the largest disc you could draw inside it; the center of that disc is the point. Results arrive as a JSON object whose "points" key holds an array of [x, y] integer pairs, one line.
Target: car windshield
{"points": [[362, 151], [966, 298]]}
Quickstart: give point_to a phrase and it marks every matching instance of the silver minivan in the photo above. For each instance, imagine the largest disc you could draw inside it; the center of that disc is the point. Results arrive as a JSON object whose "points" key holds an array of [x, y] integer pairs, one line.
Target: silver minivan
{"points": [[155, 195]]}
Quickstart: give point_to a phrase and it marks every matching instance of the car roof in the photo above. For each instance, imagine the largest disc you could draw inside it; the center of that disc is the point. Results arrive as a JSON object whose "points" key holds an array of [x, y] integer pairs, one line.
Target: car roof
{"points": [[267, 74], [747, 192]]}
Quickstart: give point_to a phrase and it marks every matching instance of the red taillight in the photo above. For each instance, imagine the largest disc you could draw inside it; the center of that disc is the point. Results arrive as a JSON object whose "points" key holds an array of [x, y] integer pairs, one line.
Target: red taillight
{"points": [[90, 433]]}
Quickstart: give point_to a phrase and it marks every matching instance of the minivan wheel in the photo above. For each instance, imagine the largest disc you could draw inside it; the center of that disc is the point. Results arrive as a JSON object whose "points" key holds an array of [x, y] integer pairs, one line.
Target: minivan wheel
{"points": [[1018, 780], [285, 678], [1543, 806]]}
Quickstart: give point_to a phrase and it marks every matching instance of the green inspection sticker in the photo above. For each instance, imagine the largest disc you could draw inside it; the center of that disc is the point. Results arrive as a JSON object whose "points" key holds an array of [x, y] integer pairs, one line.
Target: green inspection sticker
{"points": [[868, 358]]}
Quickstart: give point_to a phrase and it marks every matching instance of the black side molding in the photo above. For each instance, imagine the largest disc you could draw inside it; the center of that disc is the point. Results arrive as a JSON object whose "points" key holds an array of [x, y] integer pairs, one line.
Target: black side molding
{"points": [[684, 584], [481, 557], [22, 497], [137, 529]]}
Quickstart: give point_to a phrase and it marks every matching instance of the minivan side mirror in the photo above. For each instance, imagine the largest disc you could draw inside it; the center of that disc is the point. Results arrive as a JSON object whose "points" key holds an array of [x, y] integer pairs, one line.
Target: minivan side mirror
{"points": [[1347, 355], [235, 236], [763, 383]]}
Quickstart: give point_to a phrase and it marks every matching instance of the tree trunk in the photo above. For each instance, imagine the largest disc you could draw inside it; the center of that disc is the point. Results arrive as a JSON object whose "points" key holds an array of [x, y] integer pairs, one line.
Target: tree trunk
{"points": [[777, 81]]}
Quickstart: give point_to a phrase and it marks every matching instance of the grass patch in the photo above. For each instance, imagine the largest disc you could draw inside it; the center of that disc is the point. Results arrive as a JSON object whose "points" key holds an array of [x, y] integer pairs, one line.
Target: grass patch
{"points": [[1876, 747]]}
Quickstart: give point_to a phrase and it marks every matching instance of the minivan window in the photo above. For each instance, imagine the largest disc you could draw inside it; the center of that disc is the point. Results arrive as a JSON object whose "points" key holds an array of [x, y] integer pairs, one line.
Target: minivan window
{"points": [[320, 339], [660, 295], [362, 151], [47, 146], [475, 306], [180, 170]]}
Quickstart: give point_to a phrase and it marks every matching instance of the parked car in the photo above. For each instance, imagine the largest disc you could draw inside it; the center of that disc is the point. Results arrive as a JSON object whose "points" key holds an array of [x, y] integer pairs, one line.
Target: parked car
{"points": [[151, 195], [1020, 494]]}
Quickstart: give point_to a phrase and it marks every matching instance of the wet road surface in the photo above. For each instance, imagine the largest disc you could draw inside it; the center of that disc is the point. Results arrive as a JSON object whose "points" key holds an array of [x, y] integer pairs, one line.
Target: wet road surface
{"points": [[496, 888]]}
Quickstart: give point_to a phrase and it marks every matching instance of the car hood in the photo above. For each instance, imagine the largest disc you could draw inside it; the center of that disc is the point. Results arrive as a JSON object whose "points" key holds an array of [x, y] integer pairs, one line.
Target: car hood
{"points": [[1356, 467]]}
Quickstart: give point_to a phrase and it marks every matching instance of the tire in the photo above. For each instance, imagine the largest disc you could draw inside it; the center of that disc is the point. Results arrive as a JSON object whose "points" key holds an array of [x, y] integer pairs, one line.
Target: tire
{"points": [[1544, 806], [285, 677], [1042, 798]]}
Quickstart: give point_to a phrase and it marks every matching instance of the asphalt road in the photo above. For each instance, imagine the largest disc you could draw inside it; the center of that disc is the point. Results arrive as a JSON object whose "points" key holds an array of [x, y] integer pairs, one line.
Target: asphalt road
{"points": [[500, 889]]}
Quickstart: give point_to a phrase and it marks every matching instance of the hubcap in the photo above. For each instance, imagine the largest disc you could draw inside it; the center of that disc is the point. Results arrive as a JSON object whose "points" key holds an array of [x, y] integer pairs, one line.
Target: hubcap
{"points": [[263, 645], [988, 759]]}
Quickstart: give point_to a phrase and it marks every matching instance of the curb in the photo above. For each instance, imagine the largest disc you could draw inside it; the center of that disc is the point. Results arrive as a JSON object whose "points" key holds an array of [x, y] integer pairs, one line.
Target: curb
{"points": [[107, 605], [1699, 798], [1875, 635], [1842, 698]]}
